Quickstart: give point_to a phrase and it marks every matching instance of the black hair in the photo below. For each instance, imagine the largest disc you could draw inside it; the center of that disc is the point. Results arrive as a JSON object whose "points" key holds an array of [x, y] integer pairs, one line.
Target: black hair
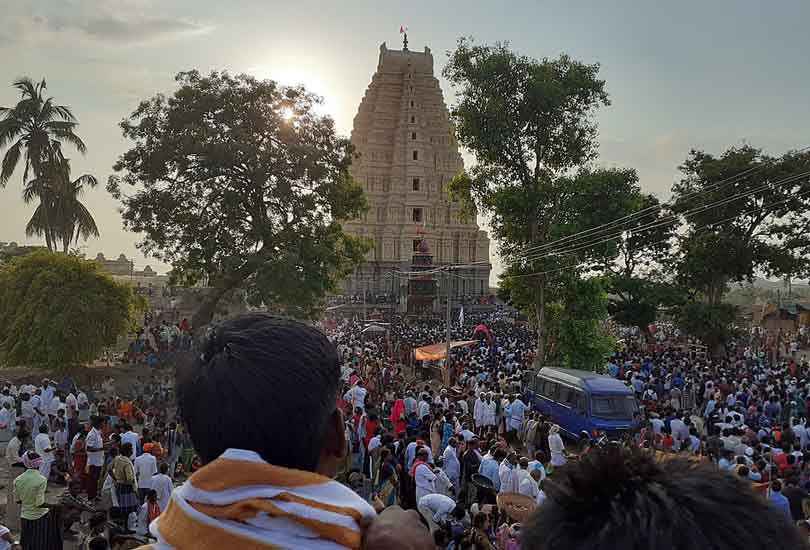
{"points": [[254, 374], [626, 498], [164, 468], [126, 449], [98, 543]]}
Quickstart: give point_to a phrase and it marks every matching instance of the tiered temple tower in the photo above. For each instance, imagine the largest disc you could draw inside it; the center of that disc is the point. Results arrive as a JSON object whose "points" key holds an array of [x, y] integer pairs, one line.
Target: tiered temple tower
{"points": [[407, 154]]}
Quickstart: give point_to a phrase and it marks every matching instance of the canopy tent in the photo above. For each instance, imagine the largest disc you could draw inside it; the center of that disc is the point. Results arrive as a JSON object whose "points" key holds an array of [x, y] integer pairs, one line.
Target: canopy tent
{"points": [[434, 352], [374, 328]]}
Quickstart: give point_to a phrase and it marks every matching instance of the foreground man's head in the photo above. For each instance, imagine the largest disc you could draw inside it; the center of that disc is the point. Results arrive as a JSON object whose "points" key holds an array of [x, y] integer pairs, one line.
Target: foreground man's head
{"points": [[617, 498], [269, 385]]}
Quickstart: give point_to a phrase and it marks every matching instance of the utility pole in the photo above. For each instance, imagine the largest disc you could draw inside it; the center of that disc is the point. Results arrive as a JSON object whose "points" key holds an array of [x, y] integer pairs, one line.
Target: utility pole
{"points": [[365, 316], [447, 348]]}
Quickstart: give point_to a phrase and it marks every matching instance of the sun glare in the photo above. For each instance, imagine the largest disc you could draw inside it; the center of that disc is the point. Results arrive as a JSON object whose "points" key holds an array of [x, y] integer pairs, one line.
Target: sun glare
{"points": [[287, 114]]}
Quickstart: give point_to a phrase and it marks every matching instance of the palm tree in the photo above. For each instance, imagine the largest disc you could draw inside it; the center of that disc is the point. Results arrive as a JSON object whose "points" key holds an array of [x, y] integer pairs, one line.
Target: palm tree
{"points": [[60, 217], [39, 127]]}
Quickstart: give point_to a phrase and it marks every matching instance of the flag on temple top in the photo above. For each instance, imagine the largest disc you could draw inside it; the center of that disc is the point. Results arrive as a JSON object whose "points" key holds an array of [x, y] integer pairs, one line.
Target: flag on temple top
{"points": [[461, 317], [403, 29]]}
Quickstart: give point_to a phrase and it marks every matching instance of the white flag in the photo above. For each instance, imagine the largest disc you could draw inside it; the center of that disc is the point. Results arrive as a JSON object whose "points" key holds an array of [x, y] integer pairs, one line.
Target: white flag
{"points": [[461, 317]]}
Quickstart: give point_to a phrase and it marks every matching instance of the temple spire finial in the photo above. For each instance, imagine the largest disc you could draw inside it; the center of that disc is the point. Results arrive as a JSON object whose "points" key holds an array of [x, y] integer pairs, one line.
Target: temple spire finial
{"points": [[403, 30]]}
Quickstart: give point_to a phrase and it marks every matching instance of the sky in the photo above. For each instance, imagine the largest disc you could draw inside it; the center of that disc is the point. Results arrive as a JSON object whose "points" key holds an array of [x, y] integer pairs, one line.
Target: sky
{"points": [[681, 75]]}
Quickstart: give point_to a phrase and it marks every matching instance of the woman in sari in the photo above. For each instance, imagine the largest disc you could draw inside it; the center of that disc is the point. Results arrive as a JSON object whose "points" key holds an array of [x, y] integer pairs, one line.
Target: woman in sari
{"points": [[79, 454], [388, 481], [123, 475]]}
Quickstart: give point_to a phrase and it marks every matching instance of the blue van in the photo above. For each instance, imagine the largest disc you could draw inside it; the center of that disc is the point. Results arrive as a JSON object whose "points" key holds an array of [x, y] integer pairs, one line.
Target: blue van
{"points": [[580, 401]]}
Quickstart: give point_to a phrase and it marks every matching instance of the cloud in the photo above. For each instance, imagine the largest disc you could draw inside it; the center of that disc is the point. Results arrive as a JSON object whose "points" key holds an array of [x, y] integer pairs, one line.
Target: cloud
{"points": [[132, 29], [115, 23]]}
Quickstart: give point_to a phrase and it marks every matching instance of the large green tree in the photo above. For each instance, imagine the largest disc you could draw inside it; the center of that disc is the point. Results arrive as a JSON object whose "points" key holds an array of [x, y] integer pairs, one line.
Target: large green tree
{"points": [[745, 213], [576, 325], [60, 216], [34, 130], [60, 311], [242, 183], [529, 124]]}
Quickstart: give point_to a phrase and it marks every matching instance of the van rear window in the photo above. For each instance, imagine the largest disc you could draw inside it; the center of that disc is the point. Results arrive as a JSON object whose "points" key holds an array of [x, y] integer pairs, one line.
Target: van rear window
{"points": [[618, 406]]}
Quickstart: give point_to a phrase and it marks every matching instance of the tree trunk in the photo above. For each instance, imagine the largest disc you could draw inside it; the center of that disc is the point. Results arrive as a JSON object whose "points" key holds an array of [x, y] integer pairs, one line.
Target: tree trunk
{"points": [[204, 313]]}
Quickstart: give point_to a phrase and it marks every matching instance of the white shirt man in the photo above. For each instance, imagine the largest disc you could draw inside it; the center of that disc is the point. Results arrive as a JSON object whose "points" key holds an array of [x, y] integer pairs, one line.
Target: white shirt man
{"points": [[145, 468], [39, 414], [439, 506], [508, 475], [517, 412], [54, 405], [425, 481], [800, 431], [462, 407], [356, 396], [60, 437], [13, 451], [424, 409], [410, 454], [7, 399], [47, 395], [490, 418], [162, 485], [95, 441], [528, 486], [44, 448], [7, 420], [27, 411], [479, 413], [71, 405], [452, 466], [680, 431]]}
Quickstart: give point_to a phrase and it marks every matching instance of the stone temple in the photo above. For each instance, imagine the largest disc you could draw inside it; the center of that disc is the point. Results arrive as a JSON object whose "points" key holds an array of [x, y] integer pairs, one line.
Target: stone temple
{"points": [[406, 155]]}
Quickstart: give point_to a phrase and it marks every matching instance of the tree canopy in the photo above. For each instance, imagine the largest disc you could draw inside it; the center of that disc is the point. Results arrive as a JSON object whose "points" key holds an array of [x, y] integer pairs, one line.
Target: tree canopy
{"points": [[745, 212], [242, 183], [59, 311], [530, 125], [34, 130]]}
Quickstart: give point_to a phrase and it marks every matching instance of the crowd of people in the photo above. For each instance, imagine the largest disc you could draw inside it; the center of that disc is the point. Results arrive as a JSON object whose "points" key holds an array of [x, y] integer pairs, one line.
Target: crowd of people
{"points": [[297, 437], [72, 455], [449, 450]]}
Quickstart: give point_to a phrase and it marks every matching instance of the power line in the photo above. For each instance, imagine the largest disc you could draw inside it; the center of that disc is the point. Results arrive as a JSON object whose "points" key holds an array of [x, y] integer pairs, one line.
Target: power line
{"points": [[753, 210], [662, 221], [630, 217]]}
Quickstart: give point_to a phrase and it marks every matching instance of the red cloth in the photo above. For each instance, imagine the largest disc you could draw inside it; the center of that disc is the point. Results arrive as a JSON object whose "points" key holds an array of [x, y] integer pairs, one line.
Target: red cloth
{"points": [[398, 417], [371, 428], [415, 464], [152, 511]]}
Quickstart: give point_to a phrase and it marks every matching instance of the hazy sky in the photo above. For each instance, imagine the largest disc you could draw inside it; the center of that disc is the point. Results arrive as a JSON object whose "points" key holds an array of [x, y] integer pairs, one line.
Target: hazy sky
{"points": [[681, 74]]}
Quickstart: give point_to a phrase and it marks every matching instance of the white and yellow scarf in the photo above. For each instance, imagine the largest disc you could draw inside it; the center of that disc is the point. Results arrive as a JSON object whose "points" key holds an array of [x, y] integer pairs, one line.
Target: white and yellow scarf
{"points": [[239, 501]]}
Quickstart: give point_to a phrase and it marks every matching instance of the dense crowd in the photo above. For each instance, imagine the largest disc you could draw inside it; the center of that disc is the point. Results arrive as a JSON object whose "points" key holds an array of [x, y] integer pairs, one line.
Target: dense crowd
{"points": [[448, 450], [464, 446], [74, 458]]}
